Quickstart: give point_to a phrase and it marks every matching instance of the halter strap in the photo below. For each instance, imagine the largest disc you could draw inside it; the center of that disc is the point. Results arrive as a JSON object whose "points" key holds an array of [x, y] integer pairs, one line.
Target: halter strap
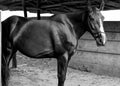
{"points": [[97, 35], [99, 32]]}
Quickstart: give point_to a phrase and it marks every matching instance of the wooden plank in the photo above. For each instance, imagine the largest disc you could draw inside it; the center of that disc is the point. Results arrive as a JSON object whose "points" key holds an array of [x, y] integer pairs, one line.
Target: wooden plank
{"points": [[65, 3], [113, 26], [113, 4], [110, 36], [106, 64], [90, 45]]}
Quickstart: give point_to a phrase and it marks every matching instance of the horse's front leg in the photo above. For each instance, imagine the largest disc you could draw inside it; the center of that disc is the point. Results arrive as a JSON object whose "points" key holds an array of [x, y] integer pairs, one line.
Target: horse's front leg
{"points": [[62, 69]]}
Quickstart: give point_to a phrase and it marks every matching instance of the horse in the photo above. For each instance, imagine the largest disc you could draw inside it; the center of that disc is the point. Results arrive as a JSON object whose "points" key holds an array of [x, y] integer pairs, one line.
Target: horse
{"points": [[55, 37]]}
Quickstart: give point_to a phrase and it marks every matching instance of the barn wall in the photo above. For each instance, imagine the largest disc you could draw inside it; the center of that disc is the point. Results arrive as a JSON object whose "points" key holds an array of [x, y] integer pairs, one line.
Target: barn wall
{"points": [[99, 60]]}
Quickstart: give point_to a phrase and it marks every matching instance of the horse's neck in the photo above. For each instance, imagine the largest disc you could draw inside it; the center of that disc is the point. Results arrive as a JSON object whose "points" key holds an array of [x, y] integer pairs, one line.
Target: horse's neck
{"points": [[62, 18], [78, 22], [74, 20]]}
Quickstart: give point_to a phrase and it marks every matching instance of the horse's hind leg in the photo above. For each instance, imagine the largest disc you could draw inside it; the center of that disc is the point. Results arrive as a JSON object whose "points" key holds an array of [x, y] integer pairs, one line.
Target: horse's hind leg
{"points": [[62, 69], [4, 72], [12, 55], [14, 61]]}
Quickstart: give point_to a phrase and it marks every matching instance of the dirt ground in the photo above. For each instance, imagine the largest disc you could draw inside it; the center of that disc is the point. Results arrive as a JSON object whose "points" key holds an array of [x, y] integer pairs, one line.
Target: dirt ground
{"points": [[42, 72]]}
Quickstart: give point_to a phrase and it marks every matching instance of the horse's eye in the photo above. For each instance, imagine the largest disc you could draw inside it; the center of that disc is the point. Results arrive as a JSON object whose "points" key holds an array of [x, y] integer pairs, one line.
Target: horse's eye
{"points": [[91, 18]]}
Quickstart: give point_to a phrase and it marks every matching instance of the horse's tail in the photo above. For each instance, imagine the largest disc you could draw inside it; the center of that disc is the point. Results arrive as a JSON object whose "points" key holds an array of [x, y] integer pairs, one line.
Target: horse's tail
{"points": [[5, 38]]}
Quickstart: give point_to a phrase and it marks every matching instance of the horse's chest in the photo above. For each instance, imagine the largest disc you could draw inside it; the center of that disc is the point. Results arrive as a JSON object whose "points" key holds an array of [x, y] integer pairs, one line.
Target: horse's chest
{"points": [[67, 38]]}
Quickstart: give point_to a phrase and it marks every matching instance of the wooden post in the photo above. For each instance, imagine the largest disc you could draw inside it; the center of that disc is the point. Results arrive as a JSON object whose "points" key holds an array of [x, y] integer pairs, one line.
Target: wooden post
{"points": [[0, 52], [24, 8], [38, 9]]}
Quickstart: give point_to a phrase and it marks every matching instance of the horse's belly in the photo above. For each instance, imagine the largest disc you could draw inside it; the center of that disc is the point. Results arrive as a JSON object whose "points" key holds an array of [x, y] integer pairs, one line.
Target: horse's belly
{"points": [[35, 46], [36, 50]]}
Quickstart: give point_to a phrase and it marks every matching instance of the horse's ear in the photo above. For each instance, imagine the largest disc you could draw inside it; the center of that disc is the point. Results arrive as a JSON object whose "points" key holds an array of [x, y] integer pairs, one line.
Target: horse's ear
{"points": [[90, 9], [102, 5], [89, 6]]}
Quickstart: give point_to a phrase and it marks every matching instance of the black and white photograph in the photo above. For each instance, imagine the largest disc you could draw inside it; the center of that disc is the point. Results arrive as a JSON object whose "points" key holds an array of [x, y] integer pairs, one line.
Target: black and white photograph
{"points": [[60, 42]]}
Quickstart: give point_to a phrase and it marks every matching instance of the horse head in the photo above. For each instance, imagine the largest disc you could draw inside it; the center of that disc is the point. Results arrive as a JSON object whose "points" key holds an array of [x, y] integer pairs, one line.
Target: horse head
{"points": [[95, 24]]}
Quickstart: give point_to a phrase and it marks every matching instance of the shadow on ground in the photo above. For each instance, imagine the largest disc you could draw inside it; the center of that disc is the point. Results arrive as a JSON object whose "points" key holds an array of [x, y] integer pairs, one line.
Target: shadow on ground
{"points": [[42, 72]]}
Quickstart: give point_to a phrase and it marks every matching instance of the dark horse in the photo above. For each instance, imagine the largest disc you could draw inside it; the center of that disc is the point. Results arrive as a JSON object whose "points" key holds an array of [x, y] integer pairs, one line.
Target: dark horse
{"points": [[56, 37]]}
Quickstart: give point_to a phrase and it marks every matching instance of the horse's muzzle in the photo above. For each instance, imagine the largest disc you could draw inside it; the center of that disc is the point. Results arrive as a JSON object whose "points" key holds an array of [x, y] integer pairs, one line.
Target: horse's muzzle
{"points": [[101, 41]]}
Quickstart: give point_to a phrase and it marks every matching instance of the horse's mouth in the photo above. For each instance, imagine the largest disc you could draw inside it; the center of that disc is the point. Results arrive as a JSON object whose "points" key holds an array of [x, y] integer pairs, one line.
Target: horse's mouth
{"points": [[100, 42]]}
